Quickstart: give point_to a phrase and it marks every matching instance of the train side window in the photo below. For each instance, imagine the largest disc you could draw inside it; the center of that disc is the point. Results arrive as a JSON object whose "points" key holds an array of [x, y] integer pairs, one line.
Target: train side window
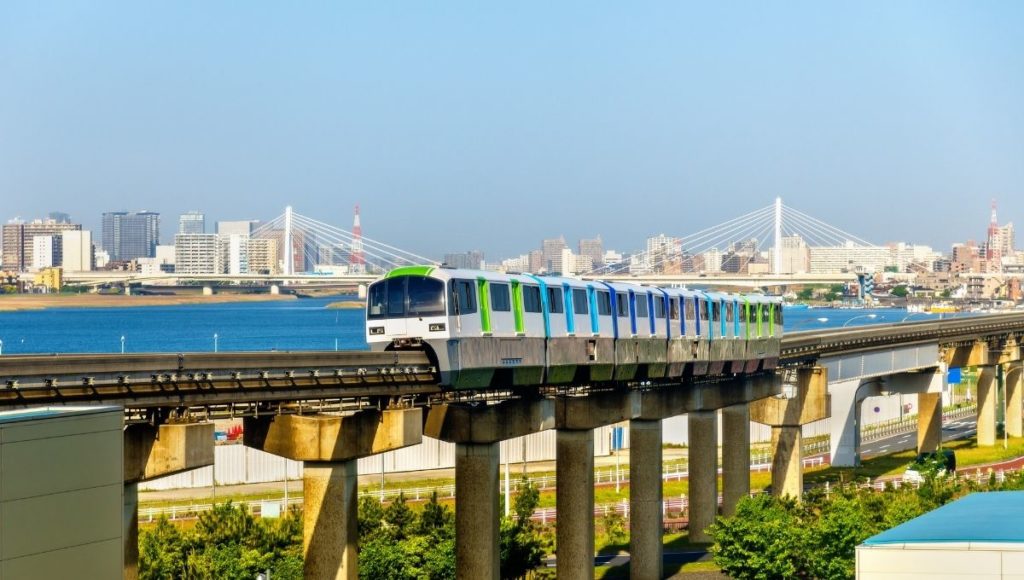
{"points": [[690, 308], [777, 308], [728, 311], [426, 296], [500, 298], [702, 308], [641, 306], [604, 303], [463, 297], [716, 311], [622, 304], [579, 301], [396, 297], [659, 307], [673, 308], [377, 300], [531, 299], [555, 301]]}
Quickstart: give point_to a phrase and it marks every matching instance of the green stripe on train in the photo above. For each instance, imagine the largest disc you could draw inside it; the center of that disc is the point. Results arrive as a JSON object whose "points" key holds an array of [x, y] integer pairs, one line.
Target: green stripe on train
{"points": [[410, 271]]}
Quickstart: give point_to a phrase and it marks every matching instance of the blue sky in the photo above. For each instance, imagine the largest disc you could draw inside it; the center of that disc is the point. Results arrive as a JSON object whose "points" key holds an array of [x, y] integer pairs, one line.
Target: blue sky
{"points": [[478, 125]]}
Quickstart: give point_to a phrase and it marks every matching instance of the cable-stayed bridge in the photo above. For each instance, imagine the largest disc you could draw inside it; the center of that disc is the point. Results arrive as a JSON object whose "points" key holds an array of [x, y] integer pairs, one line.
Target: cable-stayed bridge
{"points": [[775, 245]]}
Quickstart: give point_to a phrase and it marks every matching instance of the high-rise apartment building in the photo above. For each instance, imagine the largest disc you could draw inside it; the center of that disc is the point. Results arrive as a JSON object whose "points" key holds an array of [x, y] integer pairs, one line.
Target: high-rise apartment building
{"points": [[60, 217], [45, 252], [594, 248], [17, 240], [234, 251], [552, 249], [130, 235], [192, 222], [472, 260], [197, 254], [77, 251], [263, 256]]}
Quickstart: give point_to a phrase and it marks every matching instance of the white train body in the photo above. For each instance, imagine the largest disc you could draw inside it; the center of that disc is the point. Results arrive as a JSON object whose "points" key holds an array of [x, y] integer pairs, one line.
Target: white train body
{"points": [[485, 329]]}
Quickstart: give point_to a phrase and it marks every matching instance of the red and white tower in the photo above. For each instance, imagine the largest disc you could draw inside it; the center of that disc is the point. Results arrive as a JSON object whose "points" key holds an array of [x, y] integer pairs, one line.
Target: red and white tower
{"points": [[994, 243], [357, 260]]}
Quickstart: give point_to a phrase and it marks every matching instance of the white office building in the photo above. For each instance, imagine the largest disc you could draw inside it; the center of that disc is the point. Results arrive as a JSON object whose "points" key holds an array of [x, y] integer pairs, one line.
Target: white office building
{"points": [[234, 250], [45, 252], [77, 251]]}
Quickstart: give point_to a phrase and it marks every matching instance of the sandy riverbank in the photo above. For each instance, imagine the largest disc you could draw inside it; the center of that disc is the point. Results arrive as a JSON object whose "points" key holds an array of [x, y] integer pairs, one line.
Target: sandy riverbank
{"points": [[10, 303]]}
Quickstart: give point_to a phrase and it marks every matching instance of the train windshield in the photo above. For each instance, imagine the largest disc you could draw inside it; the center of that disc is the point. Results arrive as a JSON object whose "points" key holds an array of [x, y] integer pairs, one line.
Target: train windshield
{"points": [[405, 296]]}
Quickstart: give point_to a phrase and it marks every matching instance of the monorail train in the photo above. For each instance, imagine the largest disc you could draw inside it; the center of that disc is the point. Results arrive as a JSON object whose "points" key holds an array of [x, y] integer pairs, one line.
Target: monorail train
{"points": [[485, 329]]}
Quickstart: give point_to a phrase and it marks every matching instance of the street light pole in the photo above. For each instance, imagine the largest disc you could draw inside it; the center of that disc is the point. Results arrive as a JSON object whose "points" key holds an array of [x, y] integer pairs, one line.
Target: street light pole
{"points": [[122, 344], [1, 347], [215, 342]]}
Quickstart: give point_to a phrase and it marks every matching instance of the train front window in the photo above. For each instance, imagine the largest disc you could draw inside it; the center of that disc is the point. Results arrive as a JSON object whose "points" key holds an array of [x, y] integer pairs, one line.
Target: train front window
{"points": [[426, 297], [377, 300], [777, 309], [396, 298]]}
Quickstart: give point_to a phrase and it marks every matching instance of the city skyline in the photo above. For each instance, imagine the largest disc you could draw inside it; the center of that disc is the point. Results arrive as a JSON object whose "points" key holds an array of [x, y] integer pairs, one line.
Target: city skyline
{"points": [[451, 119]]}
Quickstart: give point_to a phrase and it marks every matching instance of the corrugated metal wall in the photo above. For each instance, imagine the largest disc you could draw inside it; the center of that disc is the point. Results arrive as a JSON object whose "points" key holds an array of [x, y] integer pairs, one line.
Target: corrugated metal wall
{"points": [[237, 464]]}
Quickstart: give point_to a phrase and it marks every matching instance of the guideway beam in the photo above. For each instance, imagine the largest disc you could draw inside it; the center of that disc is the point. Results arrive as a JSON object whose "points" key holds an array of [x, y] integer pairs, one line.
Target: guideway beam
{"points": [[151, 452], [329, 447], [808, 402], [476, 431]]}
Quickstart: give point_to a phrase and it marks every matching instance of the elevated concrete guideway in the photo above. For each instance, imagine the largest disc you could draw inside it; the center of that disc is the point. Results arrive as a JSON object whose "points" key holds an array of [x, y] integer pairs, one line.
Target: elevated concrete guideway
{"points": [[330, 408]]}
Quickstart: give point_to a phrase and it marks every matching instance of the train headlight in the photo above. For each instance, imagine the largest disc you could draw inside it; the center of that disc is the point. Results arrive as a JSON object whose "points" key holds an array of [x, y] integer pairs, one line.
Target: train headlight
{"points": [[437, 327], [376, 330]]}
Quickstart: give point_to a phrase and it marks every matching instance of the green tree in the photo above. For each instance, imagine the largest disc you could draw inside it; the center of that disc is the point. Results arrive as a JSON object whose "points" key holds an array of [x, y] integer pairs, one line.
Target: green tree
{"points": [[520, 540], [160, 551], [841, 525], [899, 291], [765, 539], [436, 520], [400, 518], [370, 517]]}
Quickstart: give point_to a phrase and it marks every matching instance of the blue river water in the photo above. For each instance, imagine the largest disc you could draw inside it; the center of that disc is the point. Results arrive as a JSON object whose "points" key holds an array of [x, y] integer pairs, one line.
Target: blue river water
{"points": [[304, 324]]}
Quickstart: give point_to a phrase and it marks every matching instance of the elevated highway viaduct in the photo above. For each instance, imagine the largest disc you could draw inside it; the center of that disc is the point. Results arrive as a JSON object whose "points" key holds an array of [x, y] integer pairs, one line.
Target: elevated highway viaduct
{"points": [[328, 409]]}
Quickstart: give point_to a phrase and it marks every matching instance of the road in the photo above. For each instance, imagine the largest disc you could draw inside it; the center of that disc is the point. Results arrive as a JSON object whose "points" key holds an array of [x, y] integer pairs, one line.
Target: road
{"points": [[951, 431]]}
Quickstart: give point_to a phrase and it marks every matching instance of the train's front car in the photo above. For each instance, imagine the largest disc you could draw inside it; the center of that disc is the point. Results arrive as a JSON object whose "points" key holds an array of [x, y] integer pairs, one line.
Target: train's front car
{"points": [[407, 310]]}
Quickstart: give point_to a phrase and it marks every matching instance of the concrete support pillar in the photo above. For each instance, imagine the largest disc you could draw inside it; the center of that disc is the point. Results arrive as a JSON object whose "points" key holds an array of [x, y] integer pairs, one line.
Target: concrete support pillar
{"points": [[845, 407], [1014, 379], [130, 522], [703, 439], [150, 452], [929, 421], [646, 521], [477, 431], [477, 514], [330, 532], [329, 447], [735, 456], [987, 405], [787, 461], [574, 503]]}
